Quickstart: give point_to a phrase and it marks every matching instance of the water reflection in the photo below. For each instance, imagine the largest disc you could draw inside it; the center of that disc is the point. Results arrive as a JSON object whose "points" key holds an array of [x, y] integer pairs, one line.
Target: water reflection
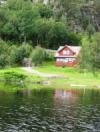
{"points": [[67, 96], [49, 110]]}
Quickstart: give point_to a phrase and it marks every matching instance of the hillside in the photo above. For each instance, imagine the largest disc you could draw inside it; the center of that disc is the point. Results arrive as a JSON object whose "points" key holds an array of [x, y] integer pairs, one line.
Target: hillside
{"points": [[77, 13]]}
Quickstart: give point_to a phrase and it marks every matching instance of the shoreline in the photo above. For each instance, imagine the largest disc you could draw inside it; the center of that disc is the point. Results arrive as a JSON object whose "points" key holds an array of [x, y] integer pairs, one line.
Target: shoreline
{"points": [[71, 78]]}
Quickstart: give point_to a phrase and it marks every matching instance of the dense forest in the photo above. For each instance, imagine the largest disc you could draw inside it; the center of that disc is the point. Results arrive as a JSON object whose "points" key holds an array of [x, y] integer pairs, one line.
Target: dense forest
{"points": [[77, 13], [49, 24], [24, 21]]}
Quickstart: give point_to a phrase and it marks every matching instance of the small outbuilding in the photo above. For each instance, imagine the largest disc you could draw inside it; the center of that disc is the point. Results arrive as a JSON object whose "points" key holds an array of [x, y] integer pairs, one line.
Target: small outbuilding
{"points": [[66, 56]]}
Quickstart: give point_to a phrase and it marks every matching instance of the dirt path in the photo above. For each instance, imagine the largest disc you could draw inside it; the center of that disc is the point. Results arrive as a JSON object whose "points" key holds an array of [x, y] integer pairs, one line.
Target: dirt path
{"points": [[31, 70]]}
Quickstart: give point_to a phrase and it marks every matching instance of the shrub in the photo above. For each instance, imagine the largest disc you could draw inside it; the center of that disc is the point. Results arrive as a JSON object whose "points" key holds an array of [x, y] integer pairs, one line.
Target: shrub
{"points": [[14, 77], [38, 56], [19, 53], [85, 55], [90, 54], [95, 52], [3, 60], [4, 54]]}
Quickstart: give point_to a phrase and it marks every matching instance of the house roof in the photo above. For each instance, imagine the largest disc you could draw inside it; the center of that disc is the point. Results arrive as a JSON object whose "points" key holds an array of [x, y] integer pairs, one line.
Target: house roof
{"points": [[75, 49]]}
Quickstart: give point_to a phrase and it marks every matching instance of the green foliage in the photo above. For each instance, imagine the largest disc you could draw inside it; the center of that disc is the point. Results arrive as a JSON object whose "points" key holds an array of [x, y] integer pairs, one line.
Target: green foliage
{"points": [[85, 55], [57, 35], [90, 54], [15, 25], [97, 5], [44, 10], [38, 56], [78, 12], [90, 31], [95, 52], [74, 38], [14, 77], [42, 27], [21, 21], [50, 57], [4, 50], [3, 60], [60, 35], [19, 53]]}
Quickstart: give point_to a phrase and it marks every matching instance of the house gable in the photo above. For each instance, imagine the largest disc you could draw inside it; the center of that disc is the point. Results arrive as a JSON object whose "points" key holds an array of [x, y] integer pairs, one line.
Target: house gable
{"points": [[66, 51]]}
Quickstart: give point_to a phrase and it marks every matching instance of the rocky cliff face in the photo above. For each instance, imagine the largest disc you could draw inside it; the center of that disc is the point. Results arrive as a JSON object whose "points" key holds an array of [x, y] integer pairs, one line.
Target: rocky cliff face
{"points": [[92, 14], [86, 13]]}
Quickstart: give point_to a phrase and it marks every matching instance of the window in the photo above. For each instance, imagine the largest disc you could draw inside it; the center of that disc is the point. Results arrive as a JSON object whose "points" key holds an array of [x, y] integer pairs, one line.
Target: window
{"points": [[66, 52], [71, 59], [66, 59]]}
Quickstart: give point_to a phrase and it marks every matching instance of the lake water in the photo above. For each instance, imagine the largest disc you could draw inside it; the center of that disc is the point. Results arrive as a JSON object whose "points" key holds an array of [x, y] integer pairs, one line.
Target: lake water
{"points": [[49, 110]]}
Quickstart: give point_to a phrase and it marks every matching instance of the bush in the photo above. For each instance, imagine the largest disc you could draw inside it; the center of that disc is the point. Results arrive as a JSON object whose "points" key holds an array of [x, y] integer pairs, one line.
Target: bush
{"points": [[90, 54], [85, 55], [4, 54], [95, 52], [13, 76], [38, 56], [19, 53], [50, 57], [3, 60]]}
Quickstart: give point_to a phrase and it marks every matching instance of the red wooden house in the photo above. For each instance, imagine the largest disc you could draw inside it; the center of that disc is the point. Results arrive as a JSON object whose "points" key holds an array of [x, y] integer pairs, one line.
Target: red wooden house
{"points": [[67, 56]]}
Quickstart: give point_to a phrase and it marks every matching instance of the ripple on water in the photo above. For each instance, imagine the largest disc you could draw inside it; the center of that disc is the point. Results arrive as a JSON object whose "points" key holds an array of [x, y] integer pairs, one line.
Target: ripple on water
{"points": [[43, 113]]}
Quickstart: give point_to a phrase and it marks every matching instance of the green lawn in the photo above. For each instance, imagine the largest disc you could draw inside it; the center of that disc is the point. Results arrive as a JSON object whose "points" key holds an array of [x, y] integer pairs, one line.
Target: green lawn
{"points": [[72, 75]]}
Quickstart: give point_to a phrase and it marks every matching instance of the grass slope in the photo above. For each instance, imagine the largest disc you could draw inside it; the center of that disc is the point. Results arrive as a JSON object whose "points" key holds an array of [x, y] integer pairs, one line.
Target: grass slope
{"points": [[72, 76]]}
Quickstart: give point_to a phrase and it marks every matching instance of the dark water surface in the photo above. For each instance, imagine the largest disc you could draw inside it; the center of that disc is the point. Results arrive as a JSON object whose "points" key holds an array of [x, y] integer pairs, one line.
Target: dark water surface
{"points": [[50, 111]]}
